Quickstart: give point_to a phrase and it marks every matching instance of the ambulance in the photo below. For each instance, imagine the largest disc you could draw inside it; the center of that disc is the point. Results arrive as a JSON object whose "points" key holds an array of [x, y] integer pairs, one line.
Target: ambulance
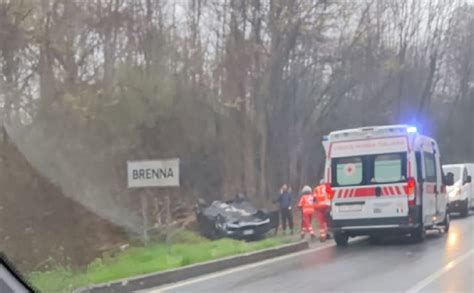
{"points": [[384, 180]]}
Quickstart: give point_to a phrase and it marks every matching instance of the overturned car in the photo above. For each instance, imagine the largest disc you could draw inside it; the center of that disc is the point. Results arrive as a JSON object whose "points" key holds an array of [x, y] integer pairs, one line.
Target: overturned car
{"points": [[236, 218]]}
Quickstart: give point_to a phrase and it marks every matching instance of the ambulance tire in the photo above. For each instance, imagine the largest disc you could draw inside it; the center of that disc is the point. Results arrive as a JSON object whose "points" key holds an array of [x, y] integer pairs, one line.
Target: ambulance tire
{"points": [[341, 238], [419, 234]]}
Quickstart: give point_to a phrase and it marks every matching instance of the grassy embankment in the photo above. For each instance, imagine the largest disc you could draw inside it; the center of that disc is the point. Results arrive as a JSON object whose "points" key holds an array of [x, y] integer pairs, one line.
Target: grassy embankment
{"points": [[183, 248]]}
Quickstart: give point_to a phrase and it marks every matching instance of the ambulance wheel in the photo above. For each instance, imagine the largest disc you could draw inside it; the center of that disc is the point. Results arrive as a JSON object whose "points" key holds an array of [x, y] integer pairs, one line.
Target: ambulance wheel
{"points": [[341, 238], [446, 223], [419, 234]]}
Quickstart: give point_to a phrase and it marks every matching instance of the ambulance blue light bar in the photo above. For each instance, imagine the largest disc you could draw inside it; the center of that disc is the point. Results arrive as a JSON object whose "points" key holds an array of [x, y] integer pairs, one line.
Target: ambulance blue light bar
{"points": [[412, 129], [326, 138]]}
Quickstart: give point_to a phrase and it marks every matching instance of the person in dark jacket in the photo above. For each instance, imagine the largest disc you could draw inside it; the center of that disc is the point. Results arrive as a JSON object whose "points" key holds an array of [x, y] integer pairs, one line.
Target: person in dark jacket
{"points": [[285, 203]]}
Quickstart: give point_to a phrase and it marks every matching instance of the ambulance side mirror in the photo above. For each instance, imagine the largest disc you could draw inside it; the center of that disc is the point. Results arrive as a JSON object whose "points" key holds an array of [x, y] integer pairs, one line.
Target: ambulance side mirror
{"points": [[449, 179]]}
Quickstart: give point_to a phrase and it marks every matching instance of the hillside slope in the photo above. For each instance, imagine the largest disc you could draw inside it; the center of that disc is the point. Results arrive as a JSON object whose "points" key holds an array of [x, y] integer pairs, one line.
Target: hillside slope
{"points": [[39, 226]]}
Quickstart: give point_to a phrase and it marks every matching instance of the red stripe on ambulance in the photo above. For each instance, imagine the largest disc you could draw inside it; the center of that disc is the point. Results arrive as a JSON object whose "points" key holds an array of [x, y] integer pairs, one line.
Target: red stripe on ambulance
{"points": [[367, 191]]}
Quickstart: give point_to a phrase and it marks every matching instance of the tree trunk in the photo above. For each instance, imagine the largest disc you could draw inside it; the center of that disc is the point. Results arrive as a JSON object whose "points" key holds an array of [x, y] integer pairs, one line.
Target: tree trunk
{"points": [[427, 91], [110, 45], [262, 192], [248, 143]]}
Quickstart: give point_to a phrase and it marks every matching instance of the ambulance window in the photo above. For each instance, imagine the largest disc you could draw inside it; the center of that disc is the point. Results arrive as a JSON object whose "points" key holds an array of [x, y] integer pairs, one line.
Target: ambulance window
{"points": [[389, 168], [349, 171], [430, 167]]}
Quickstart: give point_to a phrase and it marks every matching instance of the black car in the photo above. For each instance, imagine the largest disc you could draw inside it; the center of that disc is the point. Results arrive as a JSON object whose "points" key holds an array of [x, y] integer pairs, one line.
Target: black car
{"points": [[236, 218]]}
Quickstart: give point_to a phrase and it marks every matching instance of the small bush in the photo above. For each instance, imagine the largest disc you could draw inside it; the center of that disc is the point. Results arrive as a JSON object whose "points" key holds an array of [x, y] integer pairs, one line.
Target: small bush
{"points": [[186, 261], [185, 236]]}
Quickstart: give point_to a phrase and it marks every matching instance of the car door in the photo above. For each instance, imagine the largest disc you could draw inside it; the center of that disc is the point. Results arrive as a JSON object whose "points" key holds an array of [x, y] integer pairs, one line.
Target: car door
{"points": [[464, 184], [467, 187], [470, 172], [430, 188]]}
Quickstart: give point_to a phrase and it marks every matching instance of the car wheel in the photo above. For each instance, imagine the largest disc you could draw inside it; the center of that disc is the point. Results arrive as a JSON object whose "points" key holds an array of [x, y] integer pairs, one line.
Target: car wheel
{"points": [[419, 234], [341, 238], [464, 209], [446, 222]]}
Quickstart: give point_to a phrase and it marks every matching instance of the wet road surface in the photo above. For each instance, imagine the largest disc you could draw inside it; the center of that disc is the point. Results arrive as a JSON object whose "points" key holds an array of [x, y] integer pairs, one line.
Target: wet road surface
{"points": [[442, 263]]}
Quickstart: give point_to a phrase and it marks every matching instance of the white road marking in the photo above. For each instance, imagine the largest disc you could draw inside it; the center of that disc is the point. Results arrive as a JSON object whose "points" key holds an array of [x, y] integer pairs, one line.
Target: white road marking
{"points": [[425, 282], [237, 269]]}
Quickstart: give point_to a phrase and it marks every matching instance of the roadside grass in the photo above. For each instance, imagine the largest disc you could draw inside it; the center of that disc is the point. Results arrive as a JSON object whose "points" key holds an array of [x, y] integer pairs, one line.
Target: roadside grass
{"points": [[181, 249]]}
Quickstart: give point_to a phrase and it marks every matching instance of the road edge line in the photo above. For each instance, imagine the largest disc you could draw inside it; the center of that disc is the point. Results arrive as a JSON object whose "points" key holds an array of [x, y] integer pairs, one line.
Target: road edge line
{"points": [[435, 275], [237, 269]]}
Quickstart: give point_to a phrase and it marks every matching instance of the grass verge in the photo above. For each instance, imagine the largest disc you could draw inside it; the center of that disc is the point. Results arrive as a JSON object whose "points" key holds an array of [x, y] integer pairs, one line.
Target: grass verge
{"points": [[181, 249]]}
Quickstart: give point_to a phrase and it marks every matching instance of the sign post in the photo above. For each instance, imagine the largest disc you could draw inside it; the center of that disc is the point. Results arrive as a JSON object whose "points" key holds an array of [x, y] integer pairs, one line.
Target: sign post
{"points": [[144, 206], [153, 173]]}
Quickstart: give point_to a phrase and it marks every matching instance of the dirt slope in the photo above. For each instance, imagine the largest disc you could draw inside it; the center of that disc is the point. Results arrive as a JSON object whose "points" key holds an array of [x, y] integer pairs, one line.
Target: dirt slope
{"points": [[39, 226]]}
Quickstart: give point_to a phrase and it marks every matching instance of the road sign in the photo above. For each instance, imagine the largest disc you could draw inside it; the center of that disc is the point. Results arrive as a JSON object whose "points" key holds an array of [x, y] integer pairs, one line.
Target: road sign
{"points": [[157, 173]]}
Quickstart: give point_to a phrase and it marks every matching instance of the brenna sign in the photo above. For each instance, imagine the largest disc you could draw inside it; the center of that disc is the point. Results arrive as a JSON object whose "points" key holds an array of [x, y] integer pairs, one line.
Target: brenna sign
{"points": [[156, 173]]}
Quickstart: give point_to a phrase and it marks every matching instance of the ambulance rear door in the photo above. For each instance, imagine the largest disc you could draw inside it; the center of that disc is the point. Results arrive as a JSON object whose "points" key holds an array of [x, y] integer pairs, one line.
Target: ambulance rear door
{"points": [[369, 179], [431, 185]]}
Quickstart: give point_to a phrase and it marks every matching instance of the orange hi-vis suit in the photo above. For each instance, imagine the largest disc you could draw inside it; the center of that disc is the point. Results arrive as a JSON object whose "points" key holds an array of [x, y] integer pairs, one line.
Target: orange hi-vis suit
{"points": [[322, 207], [306, 204]]}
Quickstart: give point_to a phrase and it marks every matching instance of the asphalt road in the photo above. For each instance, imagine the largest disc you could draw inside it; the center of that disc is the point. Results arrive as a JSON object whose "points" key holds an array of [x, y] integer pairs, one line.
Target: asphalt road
{"points": [[443, 263]]}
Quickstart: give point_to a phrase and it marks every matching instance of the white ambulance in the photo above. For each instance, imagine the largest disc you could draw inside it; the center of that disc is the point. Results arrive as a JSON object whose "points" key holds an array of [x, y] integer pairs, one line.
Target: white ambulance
{"points": [[384, 180]]}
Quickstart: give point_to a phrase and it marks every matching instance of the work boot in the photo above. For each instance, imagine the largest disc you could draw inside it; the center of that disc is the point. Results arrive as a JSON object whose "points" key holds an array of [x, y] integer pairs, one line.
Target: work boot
{"points": [[313, 236], [322, 238], [302, 236]]}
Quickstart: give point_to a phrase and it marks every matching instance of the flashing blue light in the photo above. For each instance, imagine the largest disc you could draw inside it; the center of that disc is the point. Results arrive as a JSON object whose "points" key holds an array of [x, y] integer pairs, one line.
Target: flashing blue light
{"points": [[325, 138], [412, 129]]}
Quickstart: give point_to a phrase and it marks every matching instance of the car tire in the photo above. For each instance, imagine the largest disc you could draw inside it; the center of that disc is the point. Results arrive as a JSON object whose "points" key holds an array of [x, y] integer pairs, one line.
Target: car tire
{"points": [[446, 223], [418, 235], [341, 239], [464, 209]]}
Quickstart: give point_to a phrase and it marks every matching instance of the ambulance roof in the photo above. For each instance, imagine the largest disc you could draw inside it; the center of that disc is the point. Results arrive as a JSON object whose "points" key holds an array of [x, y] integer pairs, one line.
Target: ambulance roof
{"points": [[400, 137], [385, 130]]}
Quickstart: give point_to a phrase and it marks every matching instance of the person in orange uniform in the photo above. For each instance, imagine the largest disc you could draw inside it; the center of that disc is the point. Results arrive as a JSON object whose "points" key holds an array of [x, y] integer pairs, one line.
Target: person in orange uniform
{"points": [[322, 207], [306, 204]]}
